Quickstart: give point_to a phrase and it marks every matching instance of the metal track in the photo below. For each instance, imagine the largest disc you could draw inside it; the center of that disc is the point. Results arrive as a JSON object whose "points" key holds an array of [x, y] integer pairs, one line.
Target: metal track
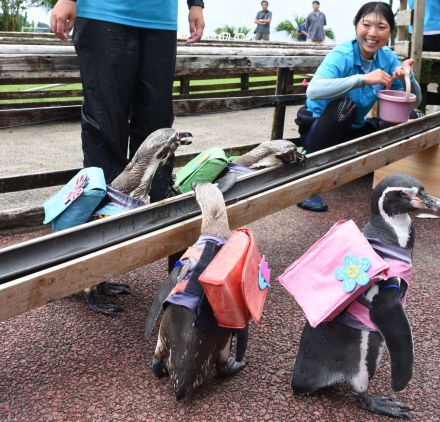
{"points": [[37, 254]]}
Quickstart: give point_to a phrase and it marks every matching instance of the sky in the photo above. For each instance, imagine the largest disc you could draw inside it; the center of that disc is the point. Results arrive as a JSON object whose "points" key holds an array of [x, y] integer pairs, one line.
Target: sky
{"points": [[339, 13]]}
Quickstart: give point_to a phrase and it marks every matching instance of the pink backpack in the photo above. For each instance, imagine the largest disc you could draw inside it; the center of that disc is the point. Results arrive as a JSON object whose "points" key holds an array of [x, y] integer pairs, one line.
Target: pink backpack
{"points": [[333, 272]]}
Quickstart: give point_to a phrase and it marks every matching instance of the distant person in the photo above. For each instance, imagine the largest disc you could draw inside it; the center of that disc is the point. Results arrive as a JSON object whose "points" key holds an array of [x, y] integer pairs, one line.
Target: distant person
{"points": [[431, 26], [314, 25], [263, 18], [343, 89], [301, 34], [127, 54]]}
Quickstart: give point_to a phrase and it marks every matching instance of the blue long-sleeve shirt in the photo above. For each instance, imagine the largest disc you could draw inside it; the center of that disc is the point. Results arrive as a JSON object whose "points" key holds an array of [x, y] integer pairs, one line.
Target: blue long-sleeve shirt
{"points": [[342, 74]]}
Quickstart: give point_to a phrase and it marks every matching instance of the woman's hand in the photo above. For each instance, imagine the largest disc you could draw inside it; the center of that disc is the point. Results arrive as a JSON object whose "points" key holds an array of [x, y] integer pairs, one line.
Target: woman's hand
{"points": [[399, 73], [196, 24], [62, 18], [378, 77]]}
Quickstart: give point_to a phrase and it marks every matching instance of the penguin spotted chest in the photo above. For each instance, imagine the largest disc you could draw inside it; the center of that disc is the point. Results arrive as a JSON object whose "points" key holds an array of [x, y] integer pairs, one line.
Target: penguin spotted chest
{"points": [[348, 350]]}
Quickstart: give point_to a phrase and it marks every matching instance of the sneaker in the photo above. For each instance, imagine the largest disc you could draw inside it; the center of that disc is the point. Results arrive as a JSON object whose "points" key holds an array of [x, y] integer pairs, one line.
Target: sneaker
{"points": [[314, 203]]}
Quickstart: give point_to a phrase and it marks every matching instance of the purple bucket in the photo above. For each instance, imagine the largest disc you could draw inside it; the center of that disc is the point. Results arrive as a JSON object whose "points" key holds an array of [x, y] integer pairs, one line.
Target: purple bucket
{"points": [[394, 107]]}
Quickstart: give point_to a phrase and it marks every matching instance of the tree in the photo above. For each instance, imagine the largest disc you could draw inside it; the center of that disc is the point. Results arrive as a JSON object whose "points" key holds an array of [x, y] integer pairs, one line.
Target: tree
{"points": [[291, 27], [14, 15], [232, 30], [329, 33]]}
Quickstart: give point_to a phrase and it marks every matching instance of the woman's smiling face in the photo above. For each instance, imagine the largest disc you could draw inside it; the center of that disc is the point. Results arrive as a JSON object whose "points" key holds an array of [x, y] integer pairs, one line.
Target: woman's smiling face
{"points": [[372, 32]]}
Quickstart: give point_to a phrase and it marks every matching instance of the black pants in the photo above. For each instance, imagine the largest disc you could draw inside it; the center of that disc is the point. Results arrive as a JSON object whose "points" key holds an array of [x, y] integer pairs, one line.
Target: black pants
{"points": [[333, 126], [127, 75], [431, 42]]}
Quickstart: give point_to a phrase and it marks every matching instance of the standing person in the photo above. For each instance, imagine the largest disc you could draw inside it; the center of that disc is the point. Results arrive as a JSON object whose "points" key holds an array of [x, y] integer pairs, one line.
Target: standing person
{"points": [[127, 53], [301, 34], [343, 89], [263, 18], [431, 25], [315, 23]]}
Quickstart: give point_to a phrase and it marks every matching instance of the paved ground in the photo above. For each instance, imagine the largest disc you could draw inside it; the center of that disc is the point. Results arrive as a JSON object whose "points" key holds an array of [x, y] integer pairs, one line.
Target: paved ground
{"points": [[64, 363]]}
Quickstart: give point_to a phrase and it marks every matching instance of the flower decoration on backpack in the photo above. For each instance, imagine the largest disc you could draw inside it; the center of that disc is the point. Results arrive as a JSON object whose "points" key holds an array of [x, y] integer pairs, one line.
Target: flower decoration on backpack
{"points": [[353, 272]]}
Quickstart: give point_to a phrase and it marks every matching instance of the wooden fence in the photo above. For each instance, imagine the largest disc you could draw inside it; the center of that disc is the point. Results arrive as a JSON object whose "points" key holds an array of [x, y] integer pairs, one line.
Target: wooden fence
{"points": [[202, 79]]}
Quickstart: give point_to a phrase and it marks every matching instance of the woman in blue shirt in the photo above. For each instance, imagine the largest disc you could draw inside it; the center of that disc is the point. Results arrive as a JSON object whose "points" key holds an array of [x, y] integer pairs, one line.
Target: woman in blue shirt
{"points": [[343, 89]]}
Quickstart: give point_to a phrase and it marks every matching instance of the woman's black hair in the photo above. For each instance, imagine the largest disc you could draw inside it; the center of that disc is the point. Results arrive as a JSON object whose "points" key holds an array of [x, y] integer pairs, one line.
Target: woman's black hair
{"points": [[378, 7]]}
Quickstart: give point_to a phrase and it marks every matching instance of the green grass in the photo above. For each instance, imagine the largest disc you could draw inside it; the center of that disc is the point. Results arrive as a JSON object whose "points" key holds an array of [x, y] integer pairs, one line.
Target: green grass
{"points": [[14, 88]]}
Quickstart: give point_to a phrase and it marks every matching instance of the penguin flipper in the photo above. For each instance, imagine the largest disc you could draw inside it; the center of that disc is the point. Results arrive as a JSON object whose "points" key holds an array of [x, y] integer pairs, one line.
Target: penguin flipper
{"points": [[163, 293], [388, 315]]}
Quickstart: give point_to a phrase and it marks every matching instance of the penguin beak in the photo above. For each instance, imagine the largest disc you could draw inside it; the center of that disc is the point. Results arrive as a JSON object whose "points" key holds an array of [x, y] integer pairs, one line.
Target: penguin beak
{"points": [[182, 138], [426, 202], [291, 156]]}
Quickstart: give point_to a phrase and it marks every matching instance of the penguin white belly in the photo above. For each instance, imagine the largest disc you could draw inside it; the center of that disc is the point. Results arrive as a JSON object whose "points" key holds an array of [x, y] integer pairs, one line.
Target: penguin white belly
{"points": [[370, 353], [359, 382]]}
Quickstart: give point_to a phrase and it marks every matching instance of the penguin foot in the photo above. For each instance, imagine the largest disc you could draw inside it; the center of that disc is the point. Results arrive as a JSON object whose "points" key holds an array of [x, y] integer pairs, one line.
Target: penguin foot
{"points": [[159, 369], [112, 289], [384, 406], [102, 308], [231, 367]]}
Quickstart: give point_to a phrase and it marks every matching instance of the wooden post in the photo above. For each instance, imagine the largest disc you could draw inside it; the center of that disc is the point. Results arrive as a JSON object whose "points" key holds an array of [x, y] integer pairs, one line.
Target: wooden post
{"points": [[245, 82], [403, 20], [417, 36], [402, 30], [279, 114], [184, 86]]}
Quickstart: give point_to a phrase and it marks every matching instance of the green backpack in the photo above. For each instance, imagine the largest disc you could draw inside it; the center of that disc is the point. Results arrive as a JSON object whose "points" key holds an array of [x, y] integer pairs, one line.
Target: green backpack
{"points": [[205, 167]]}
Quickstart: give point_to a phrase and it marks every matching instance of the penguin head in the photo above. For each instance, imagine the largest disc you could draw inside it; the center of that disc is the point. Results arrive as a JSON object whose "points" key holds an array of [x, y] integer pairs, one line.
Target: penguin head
{"points": [[162, 143], [400, 194], [287, 151], [214, 215]]}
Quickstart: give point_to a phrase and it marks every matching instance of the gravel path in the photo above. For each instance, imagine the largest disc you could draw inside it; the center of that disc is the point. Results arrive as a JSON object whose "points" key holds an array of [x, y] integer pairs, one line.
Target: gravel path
{"points": [[62, 362]]}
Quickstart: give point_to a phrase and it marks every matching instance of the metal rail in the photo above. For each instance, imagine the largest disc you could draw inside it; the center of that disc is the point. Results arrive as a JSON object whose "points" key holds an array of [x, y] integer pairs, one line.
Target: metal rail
{"points": [[44, 252]]}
